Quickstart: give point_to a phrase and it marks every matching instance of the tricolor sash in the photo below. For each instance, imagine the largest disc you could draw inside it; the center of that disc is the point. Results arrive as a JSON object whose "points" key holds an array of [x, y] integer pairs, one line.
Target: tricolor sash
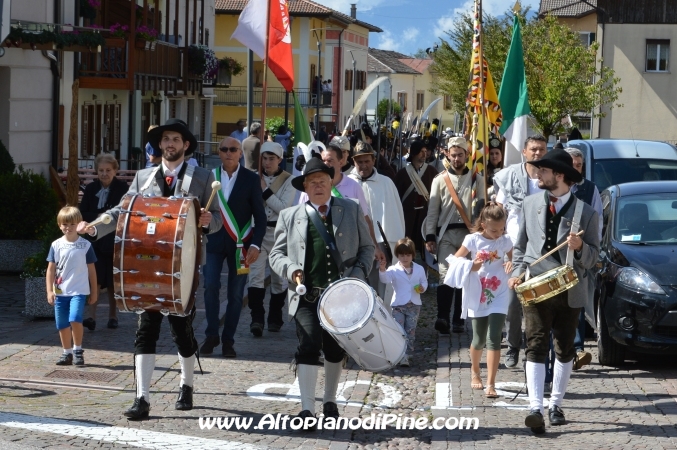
{"points": [[239, 235], [335, 192]]}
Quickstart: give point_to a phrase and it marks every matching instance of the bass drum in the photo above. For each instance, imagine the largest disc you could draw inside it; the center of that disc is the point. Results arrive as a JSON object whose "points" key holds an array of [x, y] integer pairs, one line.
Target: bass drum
{"points": [[355, 316], [157, 253]]}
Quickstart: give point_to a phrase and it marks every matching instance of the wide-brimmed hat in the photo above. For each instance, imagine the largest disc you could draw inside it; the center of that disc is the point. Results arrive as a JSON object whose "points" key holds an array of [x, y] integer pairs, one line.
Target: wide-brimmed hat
{"points": [[362, 148], [415, 148], [431, 143], [561, 162], [178, 125], [313, 166]]}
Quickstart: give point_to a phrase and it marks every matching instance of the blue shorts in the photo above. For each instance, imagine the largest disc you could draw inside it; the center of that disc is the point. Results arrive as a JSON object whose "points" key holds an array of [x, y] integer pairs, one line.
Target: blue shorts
{"points": [[69, 309]]}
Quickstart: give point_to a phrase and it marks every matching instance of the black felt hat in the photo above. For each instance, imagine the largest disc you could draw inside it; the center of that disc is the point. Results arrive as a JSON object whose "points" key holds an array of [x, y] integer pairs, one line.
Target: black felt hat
{"points": [[415, 148], [313, 166], [561, 162], [178, 125]]}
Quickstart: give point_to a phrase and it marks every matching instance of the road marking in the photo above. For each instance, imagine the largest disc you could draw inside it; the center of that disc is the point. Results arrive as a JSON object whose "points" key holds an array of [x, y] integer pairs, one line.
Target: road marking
{"points": [[118, 435], [444, 397]]}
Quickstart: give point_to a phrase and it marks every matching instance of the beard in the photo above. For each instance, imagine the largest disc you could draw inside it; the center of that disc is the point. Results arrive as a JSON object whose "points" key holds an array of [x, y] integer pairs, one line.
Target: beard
{"points": [[548, 185], [171, 157]]}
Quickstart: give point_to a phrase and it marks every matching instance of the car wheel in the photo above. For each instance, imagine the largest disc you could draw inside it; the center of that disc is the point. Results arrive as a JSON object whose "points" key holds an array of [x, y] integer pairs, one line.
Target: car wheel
{"points": [[609, 352]]}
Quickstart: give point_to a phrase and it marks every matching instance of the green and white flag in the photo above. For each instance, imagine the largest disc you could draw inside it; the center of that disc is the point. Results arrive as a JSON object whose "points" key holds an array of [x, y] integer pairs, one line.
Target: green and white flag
{"points": [[514, 99]]}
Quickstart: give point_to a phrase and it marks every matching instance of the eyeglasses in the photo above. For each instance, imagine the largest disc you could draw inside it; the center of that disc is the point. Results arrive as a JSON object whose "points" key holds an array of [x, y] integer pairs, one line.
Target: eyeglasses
{"points": [[229, 149]]}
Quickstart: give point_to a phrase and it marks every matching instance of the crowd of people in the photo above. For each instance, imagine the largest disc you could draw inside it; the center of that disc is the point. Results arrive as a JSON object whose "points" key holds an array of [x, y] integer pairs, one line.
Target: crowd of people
{"points": [[361, 212]]}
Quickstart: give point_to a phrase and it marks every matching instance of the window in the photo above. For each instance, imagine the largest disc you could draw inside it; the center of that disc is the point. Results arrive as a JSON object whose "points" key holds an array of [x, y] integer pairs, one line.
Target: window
{"points": [[420, 96], [447, 102], [587, 38], [657, 55], [258, 73], [360, 80], [348, 85], [313, 82], [402, 100]]}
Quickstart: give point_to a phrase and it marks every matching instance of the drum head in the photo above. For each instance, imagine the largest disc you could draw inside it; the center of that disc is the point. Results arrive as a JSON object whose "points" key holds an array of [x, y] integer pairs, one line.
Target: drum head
{"points": [[346, 305]]}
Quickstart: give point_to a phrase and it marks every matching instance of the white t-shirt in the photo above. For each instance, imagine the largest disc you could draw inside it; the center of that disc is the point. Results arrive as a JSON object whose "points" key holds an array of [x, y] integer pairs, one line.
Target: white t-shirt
{"points": [[494, 298], [512, 225], [71, 259]]}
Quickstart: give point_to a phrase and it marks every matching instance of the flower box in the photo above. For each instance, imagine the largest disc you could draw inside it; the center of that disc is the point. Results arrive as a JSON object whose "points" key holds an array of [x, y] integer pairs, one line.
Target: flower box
{"points": [[15, 252]]}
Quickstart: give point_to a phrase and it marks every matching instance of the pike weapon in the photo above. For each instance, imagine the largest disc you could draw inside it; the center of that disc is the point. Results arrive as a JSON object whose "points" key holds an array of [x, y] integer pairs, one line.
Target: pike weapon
{"points": [[361, 101], [388, 252]]}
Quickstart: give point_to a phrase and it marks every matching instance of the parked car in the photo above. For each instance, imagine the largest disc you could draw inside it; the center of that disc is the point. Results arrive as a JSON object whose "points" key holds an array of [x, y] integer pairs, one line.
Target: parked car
{"points": [[616, 161], [636, 280]]}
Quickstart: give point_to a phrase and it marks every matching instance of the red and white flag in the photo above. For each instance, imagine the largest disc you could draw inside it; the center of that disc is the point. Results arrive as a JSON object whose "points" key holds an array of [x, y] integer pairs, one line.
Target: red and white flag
{"points": [[251, 32]]}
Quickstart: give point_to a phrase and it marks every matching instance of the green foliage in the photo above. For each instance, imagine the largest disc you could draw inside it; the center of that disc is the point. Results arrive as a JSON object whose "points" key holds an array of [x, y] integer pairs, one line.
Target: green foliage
{"points": [[384, 106], [6, 161], [61, 39], [36, 264], [562, 75], [273, 124], [27, 205], [231, 66]]}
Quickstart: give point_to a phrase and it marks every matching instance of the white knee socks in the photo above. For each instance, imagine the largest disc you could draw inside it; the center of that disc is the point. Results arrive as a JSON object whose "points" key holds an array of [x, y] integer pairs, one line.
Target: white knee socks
{"points": [[307, 375], [187, 369], [535, 383], [332, 375], [560, 380], [144, 372]]}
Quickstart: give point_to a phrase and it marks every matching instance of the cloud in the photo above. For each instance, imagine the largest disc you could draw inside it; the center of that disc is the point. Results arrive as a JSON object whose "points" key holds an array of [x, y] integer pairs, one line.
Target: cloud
{"points": [[409, 34], [386, 41]]}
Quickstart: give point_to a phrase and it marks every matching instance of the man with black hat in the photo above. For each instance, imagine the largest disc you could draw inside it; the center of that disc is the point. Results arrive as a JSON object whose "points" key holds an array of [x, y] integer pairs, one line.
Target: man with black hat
{"points": [[316, 243], [240, 200], [550, 218], [432, 158], [413, 184], [172, 177]]}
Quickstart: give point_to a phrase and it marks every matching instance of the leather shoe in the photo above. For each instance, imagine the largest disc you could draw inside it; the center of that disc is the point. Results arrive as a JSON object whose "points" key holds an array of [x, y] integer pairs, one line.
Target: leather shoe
{"points": [[535, 421], [330, 409], [304, 415], [89, 323], [256, 329], [583, 358], [112, 323], [556, 415], [209, 344], [139, 409], [227, 350], [274, 327], [442, 326], [458, 328], [185, 401]]}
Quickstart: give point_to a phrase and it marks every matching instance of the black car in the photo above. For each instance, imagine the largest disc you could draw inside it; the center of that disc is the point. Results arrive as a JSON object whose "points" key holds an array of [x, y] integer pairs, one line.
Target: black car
{"points": [[637, 274]]}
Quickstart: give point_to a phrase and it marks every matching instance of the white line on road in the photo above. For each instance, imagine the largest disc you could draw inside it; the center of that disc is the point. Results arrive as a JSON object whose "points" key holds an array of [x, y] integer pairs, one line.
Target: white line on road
{"points": [[118, 435]]}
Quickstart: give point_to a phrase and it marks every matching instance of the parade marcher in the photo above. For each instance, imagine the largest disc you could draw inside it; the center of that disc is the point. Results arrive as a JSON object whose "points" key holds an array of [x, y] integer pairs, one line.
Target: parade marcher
{"points": [[239, 243], [251, 147], [101, 195], [384, 204], [432, 158], [513, 184], [175, 140], [278, 194], [447, 224], [240, 134], [303, 236], [548, 219], [413, 184], [587, 191], [153, 155]]}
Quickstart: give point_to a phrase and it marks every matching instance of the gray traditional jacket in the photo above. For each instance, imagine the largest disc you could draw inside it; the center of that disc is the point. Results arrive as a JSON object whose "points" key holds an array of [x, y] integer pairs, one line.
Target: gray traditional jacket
{"points": [[514, 182]]}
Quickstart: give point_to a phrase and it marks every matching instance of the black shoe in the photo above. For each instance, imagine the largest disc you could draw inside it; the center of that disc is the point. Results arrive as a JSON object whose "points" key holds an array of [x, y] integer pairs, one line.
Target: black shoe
{"points": [[556, 416], [256, 329], [185, 401], [112, 323], [274, 327], [66, 359], [458, 327], [89, 323], [535, 421], [139, 409], [227, 350], [78, 357], [330, 409], [512, 357], [442, 326], [209, 344], [305, 414]]}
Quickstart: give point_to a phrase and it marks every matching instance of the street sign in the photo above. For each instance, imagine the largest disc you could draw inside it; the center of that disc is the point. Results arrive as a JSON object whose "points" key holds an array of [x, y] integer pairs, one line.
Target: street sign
{"points": [[4, 19]]}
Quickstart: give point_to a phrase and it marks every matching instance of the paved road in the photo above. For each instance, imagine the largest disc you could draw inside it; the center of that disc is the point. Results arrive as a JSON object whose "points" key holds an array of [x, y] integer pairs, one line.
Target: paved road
{"points": [[42, 405]]}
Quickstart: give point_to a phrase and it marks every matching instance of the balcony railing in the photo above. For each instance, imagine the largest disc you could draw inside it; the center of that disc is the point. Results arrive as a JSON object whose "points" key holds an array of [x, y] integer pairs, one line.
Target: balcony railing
{"points": [[237, 96]]}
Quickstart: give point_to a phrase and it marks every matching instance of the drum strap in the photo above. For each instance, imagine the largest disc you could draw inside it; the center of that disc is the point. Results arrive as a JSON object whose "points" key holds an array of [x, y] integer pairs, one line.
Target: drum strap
{"points": [[328, 240], [575, 225]]}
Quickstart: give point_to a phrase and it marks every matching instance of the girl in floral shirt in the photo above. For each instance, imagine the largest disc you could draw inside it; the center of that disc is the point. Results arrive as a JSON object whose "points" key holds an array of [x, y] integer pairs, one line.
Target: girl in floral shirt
{"points": [[488, 246]]}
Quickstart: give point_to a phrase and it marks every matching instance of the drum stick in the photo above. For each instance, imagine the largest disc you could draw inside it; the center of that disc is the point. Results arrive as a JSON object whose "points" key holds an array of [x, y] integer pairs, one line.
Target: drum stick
{"points": [[548, 254], [102, 219], [300, 288], [216, 187]]}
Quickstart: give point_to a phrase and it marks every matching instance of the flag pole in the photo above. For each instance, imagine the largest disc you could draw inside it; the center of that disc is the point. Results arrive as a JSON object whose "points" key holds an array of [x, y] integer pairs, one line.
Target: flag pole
{"points": [[264, 89], [483, 111]]}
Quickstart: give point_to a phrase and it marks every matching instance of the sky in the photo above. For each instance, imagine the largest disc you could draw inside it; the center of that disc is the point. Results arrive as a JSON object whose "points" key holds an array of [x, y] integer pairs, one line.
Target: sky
{"points": [[409, 25]]}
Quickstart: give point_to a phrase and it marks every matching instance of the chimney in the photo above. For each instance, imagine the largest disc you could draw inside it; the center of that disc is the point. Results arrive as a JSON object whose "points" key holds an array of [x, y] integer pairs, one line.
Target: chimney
{"points": [[353, 10]]}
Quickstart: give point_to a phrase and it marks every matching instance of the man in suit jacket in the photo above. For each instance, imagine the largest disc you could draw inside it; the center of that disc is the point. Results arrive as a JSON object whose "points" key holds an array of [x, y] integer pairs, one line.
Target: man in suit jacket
{"points": [[301, 256], [548, 220], [172, 177], [251, 147], [239, 243]]}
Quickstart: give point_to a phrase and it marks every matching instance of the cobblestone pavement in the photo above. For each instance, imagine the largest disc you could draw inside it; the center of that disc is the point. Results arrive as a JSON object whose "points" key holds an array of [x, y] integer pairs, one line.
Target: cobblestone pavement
{"points": [[632, 406]]}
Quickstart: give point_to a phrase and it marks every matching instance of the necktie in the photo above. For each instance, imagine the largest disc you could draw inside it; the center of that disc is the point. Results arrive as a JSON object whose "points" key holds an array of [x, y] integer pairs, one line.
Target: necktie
{"points": [[323, 211], [169, 179], [553, 200]]}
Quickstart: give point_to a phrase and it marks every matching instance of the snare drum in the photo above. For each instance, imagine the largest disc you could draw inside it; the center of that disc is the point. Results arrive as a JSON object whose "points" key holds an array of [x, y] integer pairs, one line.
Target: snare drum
{"points": [[355, 316], [157, 252], [546, 285]]}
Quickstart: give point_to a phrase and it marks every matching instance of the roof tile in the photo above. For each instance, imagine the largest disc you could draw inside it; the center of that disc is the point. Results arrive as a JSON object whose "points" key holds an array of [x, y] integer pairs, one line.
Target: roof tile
{"points": [[567, 8]]}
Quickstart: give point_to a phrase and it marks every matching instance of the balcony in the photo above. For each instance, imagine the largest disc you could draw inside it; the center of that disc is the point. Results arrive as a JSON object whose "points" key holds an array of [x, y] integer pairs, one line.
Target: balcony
{"points": [[237, 96]]}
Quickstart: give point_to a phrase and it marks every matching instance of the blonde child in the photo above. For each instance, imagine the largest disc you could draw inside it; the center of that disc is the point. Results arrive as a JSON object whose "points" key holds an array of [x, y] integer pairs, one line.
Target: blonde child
{"points": [[71, 277], [409, 282], [488, 245]]}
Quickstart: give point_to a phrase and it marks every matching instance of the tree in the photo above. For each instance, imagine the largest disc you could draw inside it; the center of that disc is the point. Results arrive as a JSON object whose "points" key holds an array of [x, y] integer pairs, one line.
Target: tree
{"points": [[562, 75], [383, 108], [421, 54]]}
